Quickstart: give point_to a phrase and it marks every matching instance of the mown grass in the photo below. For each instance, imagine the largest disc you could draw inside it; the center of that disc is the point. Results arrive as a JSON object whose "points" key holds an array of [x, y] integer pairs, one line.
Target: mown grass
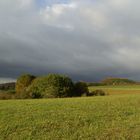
{"points": [[88, 118]]}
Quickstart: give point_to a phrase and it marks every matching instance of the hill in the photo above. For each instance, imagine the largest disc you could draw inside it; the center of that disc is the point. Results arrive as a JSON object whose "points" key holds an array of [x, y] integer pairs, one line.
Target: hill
{"points": [[7, 86], [117, 81]]}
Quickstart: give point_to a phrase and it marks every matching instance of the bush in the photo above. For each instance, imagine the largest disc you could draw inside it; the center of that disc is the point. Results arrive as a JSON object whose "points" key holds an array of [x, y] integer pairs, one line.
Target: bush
{"points": [[97, 93], [22, 95], [51, 86], [23, 82], [6, 96], [81, 88]]}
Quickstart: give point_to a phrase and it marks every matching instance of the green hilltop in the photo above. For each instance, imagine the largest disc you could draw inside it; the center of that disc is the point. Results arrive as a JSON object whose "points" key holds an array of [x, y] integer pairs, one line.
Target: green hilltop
{"points": [[117, 81]]}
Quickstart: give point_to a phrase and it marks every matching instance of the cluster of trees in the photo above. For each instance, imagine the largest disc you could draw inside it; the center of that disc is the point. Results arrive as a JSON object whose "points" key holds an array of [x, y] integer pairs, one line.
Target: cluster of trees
{"points": [[50, 86]]}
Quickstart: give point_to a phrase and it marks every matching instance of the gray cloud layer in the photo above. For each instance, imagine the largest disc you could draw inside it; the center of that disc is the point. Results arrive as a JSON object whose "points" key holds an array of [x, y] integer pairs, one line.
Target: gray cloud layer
{"points": [[87, 40]]}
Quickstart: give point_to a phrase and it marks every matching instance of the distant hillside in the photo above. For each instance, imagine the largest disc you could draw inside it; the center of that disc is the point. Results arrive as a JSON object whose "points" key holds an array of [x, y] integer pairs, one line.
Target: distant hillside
{"points": [[7, 86], [4, 80], [117, 81]]}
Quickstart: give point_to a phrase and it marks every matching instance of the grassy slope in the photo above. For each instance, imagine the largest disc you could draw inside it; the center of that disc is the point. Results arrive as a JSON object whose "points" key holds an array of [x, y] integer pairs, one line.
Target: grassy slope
{"points": [[105, 118], [124, 89]]}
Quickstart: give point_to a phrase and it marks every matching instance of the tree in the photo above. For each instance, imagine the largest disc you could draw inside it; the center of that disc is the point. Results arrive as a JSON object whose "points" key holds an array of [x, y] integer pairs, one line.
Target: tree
{"points": [[81, 88], [23, 82], [53, 85]]}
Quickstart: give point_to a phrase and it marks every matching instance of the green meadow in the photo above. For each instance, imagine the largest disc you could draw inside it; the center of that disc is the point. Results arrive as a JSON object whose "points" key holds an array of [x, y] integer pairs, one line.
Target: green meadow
{"points": [[112, 117], [118, 89]]}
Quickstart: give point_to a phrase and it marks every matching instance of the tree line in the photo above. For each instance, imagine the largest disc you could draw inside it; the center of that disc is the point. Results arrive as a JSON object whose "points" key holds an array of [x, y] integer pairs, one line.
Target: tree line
{"points": [[49, 86]]}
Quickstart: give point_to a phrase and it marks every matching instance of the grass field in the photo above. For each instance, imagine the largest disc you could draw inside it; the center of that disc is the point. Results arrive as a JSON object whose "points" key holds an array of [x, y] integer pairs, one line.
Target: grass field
{"points": [[101, 118], [125, 89]]}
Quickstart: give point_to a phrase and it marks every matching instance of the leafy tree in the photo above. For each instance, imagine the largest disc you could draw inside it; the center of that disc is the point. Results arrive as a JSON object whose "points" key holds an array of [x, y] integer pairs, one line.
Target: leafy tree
{"points": [[81, 88], [23, 82], [38, 86], [53, 85]]}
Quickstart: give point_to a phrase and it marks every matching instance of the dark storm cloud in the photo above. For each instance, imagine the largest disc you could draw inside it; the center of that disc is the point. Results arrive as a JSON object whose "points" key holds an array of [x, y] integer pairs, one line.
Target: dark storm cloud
{"points": [[88, 40]]}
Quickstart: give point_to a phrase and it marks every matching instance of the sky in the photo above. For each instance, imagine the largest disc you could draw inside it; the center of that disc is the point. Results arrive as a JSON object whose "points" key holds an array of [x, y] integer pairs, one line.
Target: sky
{"points": [[85, 39]]}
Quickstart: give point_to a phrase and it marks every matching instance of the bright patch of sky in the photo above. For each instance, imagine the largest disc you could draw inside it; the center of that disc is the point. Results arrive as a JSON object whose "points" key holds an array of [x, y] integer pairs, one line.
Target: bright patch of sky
{"points": [[44, 3], [7, 80]]}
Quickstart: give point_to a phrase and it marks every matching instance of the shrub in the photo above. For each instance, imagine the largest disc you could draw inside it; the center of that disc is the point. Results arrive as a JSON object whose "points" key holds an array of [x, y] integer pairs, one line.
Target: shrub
{"points": [[97, 93], [51, 86], [23, 82], [22, 95], [6, 96], [81, 88]]}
